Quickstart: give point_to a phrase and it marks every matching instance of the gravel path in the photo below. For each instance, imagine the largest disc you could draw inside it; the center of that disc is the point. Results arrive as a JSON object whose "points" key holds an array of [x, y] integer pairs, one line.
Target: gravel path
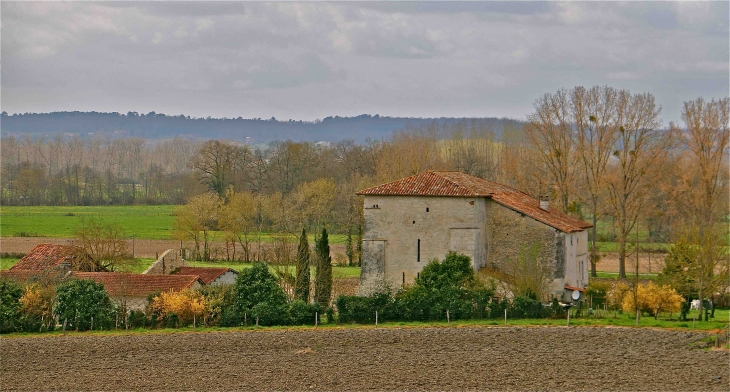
{"points": [[473, 358]]}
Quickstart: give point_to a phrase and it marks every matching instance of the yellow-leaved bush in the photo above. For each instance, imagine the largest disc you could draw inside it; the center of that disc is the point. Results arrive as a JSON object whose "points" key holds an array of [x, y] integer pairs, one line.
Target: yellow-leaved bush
{"points": [[188, 305], [36, 306], [615, 295], [652, 299]]}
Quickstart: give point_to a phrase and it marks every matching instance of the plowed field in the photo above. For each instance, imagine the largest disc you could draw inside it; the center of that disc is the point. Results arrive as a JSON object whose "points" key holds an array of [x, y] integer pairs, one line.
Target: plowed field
{"points": [[498, 358]]}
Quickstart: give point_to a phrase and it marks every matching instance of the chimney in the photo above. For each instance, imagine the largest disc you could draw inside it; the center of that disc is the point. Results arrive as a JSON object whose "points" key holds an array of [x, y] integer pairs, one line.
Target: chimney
{"points": [[544, 203]]}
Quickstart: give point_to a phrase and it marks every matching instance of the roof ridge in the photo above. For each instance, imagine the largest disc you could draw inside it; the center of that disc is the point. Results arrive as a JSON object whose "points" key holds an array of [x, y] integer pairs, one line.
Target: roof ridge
{"points": [[454, 182]]}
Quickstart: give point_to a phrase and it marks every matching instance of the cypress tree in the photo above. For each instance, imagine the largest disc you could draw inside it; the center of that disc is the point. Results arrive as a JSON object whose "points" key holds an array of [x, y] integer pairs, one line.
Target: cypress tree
{"points": [[323, 277], [348, 247], [358, 246], [301, 287]]}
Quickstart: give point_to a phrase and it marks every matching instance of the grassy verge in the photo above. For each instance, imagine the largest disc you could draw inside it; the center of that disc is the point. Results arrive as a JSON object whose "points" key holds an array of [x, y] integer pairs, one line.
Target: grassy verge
{"points": [[338, 271], [8, 262], [629, 276], [720, 320]]}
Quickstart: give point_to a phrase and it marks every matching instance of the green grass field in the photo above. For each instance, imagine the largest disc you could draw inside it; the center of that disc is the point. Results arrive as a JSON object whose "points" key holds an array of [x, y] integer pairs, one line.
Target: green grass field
{"points": [[145, 222], [629, 275], [338, 271], [7, 262], [142, 222]]}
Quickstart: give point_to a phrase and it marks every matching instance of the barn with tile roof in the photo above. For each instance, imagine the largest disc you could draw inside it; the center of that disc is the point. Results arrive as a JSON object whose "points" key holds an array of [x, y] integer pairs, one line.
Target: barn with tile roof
{"points": [[132, 290], [413, 220], [52, 256]]}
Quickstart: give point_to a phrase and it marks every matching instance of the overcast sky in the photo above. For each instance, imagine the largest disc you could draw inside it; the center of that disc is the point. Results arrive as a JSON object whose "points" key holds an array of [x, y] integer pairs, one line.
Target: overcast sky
{"points": [[312, 60]]}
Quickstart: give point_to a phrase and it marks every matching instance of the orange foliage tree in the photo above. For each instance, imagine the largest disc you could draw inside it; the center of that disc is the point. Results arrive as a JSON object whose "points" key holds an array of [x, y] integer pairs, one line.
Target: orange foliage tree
{"points": [[188, 306]]}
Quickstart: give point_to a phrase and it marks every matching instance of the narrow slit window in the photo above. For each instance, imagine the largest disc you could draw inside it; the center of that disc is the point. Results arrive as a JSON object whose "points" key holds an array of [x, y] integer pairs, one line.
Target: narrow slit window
{"points": [[426, 209], [418, 251], [404, 278]]}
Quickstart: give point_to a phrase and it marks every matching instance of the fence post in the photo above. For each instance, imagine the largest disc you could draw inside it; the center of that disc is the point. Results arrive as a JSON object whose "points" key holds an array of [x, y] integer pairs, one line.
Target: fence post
{"points": [[65, 321], [568, 316], [257, 321], [505, 317], [92, 324], [376, 318], [448, 319], [316, 318], [245, 321]]}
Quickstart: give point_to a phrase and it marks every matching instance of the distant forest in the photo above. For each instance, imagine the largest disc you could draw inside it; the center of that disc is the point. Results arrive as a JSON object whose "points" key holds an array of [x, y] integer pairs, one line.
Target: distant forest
{"points": [[256, 131]]}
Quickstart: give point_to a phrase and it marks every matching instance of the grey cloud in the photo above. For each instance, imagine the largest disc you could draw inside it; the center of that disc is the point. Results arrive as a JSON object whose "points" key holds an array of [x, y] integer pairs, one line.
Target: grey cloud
{"points": [[311, 60]]}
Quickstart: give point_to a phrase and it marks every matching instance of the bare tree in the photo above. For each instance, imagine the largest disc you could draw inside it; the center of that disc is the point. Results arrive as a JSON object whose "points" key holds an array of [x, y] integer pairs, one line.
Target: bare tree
{"points": [[195, 221], [238, 219], [641, 147], [105, 244], [218, 163], [551, 133], [707, 137], [594, 113]]}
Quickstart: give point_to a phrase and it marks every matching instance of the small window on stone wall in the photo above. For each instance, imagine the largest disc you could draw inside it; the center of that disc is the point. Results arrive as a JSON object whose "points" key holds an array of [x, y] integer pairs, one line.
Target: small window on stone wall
{"points": [[426, 209], [418, 251], [404, 278]]}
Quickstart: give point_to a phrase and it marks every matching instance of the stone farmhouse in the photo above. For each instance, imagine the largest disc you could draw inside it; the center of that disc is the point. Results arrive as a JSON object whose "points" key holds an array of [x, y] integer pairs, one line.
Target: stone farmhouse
{"points": [[413, 220]]}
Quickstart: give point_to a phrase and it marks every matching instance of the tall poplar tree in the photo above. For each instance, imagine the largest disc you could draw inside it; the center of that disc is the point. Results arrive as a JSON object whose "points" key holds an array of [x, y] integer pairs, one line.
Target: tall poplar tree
{"points": [[323, 277], [301, 287]]}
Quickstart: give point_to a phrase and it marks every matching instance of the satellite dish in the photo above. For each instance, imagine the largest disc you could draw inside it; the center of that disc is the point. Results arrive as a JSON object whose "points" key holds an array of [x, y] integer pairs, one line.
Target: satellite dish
{"points": [[575, 295]]}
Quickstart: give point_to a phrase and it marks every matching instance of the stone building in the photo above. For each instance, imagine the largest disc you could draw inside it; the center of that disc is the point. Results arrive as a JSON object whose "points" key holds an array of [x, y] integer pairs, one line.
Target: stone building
{"points": [[413, 220], [210, 276]]}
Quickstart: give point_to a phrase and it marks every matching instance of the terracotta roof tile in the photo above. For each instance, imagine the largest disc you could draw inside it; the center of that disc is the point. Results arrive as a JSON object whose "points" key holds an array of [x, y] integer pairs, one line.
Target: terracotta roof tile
{"points": [[458, 184], [207, 275], [45, 256], [138, 285]]}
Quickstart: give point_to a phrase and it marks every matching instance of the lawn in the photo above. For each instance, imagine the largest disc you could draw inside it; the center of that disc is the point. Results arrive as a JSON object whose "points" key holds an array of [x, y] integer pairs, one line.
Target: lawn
{"points": [[338, 271], [629, 275], [142, 222], [8, 262]]}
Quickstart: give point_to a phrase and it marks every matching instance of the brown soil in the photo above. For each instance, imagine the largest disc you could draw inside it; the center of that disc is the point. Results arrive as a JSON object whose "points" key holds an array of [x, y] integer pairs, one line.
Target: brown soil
{"points": [[651, 263], [142, 248], [150, 248], [474, 358]]}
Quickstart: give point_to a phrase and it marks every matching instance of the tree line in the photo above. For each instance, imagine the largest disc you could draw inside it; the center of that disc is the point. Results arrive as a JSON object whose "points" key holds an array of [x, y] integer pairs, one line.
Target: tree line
{"points": [[598, 152]]}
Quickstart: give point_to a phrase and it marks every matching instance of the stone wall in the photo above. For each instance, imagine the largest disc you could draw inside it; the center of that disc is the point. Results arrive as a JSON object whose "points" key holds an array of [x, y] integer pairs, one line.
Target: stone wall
{"points": [[403, 233], [166, 263], [510, 231]]}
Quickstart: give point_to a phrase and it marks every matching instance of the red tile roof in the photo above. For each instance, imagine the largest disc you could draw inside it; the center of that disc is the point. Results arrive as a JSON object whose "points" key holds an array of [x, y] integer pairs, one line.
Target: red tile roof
{"points": [[45, 256], [207, 275], [138, 285], [458, 184]]}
